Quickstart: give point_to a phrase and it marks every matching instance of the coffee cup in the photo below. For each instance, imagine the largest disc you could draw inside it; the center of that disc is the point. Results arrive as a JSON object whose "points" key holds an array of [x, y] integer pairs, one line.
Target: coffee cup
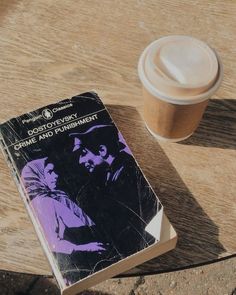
{"points": [[179, 74]]}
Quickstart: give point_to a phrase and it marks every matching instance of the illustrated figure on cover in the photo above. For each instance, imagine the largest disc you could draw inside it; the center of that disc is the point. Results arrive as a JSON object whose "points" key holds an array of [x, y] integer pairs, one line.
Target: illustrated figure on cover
{"points": [[116, 196], [54, 210]]}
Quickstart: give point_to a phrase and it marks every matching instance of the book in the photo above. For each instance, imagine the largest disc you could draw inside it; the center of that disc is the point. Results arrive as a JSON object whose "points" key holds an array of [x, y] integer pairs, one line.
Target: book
{"points": [[92, 208]]}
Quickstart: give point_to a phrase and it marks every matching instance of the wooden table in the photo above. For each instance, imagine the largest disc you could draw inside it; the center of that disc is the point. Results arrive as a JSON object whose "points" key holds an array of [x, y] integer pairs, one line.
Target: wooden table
{"points": [[54, 49]]}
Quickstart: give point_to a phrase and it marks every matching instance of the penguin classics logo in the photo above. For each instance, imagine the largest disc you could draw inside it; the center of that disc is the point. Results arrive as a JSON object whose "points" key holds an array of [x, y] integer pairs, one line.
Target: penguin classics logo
{"points": [[47, 114]]}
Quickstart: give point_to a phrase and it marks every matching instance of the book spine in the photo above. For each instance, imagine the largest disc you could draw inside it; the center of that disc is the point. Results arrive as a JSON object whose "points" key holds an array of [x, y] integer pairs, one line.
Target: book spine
{"points": [[25, 199]]}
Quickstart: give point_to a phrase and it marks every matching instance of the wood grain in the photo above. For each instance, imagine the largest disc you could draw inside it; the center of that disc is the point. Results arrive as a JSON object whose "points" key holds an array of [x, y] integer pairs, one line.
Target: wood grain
{"points": [[54, 49]]}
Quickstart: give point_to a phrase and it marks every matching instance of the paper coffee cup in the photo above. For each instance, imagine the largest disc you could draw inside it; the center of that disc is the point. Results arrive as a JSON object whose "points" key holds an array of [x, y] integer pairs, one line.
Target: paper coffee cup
{"points": [[179, 74]]}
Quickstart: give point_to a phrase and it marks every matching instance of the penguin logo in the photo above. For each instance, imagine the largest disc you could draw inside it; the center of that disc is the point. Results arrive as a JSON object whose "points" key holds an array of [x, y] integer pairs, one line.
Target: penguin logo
{"points": [[47, 114]]}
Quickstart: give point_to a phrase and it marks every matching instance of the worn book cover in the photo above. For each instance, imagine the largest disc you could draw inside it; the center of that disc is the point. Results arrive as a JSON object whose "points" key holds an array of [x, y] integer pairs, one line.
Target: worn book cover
{"points": [[91, 206]]}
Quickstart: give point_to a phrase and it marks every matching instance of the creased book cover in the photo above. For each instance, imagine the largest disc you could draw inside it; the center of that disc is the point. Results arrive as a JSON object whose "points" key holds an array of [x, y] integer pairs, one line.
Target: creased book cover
{"points": [[85, 193]]}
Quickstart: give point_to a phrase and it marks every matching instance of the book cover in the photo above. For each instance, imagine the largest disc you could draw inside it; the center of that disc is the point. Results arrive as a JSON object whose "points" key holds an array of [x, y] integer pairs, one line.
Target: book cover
{"points": [[89, 201]]}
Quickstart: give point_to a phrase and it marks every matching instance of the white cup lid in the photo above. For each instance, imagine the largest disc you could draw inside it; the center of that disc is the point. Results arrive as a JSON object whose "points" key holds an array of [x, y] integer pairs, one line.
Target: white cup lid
{"points": [[181, 68]]}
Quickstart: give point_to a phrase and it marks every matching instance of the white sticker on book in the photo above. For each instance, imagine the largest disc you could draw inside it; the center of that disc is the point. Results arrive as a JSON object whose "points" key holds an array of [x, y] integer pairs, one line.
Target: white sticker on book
{"points": [[154, 226]]}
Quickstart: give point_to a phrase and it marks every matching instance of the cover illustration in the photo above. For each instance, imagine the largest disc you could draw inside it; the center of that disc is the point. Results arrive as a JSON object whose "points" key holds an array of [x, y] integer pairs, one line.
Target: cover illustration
{"points": [[86, 193]]}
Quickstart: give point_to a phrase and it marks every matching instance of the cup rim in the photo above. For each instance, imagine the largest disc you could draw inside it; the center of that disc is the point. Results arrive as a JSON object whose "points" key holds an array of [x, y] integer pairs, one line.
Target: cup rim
{"points": [[177, 100]]}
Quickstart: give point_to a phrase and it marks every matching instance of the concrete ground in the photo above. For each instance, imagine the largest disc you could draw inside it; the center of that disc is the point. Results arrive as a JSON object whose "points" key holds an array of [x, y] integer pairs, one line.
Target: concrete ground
{"points": [[214, 279]]}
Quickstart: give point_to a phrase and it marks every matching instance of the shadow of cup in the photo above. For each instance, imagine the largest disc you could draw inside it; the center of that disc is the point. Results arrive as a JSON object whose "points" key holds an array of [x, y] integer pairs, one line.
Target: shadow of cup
{"points": [[217, 127]]}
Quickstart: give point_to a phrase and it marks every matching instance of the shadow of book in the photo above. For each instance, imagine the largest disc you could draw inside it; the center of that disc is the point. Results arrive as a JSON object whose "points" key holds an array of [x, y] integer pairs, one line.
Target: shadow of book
{"points": [[217, 127], [197, 235]]}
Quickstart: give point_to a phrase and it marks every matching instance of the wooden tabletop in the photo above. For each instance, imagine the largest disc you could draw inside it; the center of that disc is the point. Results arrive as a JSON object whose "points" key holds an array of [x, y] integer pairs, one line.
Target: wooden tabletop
{"points": [[51, 50]]}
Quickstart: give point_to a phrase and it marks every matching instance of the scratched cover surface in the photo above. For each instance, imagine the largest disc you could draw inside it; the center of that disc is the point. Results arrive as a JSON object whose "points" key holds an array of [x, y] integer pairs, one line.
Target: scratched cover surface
{"points": [[85, 189]]}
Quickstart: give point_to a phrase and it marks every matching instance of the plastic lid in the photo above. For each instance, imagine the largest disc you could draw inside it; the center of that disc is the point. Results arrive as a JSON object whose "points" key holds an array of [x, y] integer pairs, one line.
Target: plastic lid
{"points": [[180, 69]]}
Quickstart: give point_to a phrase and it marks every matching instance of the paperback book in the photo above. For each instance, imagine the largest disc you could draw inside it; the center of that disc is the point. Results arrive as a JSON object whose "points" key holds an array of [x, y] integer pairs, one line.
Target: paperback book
{"points": [[92, 208]]}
